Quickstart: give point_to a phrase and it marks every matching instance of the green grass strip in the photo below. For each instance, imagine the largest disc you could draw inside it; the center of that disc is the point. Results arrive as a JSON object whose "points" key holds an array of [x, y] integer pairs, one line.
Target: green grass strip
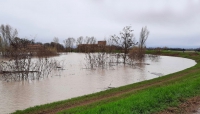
{"points": [[148, 101]]}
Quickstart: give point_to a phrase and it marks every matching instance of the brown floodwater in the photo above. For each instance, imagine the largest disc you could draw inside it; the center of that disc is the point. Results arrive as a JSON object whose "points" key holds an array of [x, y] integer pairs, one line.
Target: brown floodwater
{"points": [[75, 80]]}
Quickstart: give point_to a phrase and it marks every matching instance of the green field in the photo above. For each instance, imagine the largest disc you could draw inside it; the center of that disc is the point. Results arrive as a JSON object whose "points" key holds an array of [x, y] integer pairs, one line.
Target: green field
{"points": [[140, 98]]}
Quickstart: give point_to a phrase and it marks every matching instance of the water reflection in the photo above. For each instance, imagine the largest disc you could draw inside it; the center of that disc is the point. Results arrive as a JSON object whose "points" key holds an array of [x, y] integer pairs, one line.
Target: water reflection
{"points": [[75, 81]]}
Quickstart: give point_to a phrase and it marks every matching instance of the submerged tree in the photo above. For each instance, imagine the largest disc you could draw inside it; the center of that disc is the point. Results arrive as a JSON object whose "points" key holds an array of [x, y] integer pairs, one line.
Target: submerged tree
{"points": [[138, 52], [20, 52], [126, 40], [143, 37], [56, 41]]}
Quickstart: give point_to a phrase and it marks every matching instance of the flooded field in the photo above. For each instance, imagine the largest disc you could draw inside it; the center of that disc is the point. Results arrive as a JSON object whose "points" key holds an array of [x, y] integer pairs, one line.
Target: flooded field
{"points": [[73, 79]]}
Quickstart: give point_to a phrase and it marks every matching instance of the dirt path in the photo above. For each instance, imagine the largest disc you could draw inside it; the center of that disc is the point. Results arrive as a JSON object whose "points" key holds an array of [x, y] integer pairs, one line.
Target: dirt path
{"points": [[116, 94]]}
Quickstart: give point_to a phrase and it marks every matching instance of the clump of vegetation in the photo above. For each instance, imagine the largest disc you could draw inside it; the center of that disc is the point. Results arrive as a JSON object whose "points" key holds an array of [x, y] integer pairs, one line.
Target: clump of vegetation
{"points": [[138, 52], [132, 51], [20, 52]]}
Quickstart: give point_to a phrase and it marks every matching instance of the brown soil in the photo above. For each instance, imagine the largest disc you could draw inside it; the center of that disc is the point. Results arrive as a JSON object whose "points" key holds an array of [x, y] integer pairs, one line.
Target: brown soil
{"points": [[190, 106], [194, 54], [124, 92]]}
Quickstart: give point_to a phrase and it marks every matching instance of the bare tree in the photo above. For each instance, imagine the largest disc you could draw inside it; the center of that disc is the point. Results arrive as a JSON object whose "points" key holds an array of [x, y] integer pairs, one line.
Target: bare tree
{"points": [[1, 45], [137, 53], [89, 44], [143, 37], [79, 41], [7, 34], [69, 43], [110, 45], [125, 41], [20, 65], [56, 41], [90, 40]]}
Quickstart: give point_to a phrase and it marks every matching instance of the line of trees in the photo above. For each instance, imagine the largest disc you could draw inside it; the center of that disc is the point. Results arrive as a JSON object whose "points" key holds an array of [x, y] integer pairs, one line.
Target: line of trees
{"points": [[20, 53], [9, 38], [10, 42]]}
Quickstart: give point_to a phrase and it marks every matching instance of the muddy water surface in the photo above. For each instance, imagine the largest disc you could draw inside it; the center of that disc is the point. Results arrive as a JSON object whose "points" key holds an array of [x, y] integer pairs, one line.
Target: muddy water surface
{"points": [[75, 80]]}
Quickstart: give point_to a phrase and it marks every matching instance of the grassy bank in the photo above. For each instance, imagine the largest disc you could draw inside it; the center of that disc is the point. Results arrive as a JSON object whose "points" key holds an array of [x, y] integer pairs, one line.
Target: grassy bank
{"points": [[145, 97]]}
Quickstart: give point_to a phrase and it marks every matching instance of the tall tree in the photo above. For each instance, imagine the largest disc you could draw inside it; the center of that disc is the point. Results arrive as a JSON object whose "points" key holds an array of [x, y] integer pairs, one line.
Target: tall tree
{"points": [[125, 41], [1, 46], [56, 40], [90, 40], [69, 43], [143, 37], [90, 44], [79, 41], [7, 34]]}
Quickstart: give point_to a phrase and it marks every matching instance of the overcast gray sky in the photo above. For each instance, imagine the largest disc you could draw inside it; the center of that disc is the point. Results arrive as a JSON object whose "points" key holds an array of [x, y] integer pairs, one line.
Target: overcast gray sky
{"points": [[172, 23]]}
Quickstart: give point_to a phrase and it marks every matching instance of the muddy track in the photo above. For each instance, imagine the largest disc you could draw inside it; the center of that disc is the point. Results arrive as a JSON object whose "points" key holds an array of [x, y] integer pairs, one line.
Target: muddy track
{"points": [[116, 94]]}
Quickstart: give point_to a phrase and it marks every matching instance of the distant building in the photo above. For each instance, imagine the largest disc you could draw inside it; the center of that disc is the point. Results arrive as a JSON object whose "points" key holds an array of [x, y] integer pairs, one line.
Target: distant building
{"points": [[91, 47], [101, 43], [35, 47]]}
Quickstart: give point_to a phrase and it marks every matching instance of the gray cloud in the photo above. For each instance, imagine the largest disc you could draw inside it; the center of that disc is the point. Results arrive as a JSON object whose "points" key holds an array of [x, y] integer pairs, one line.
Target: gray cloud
{"points": [[169, 21]]}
